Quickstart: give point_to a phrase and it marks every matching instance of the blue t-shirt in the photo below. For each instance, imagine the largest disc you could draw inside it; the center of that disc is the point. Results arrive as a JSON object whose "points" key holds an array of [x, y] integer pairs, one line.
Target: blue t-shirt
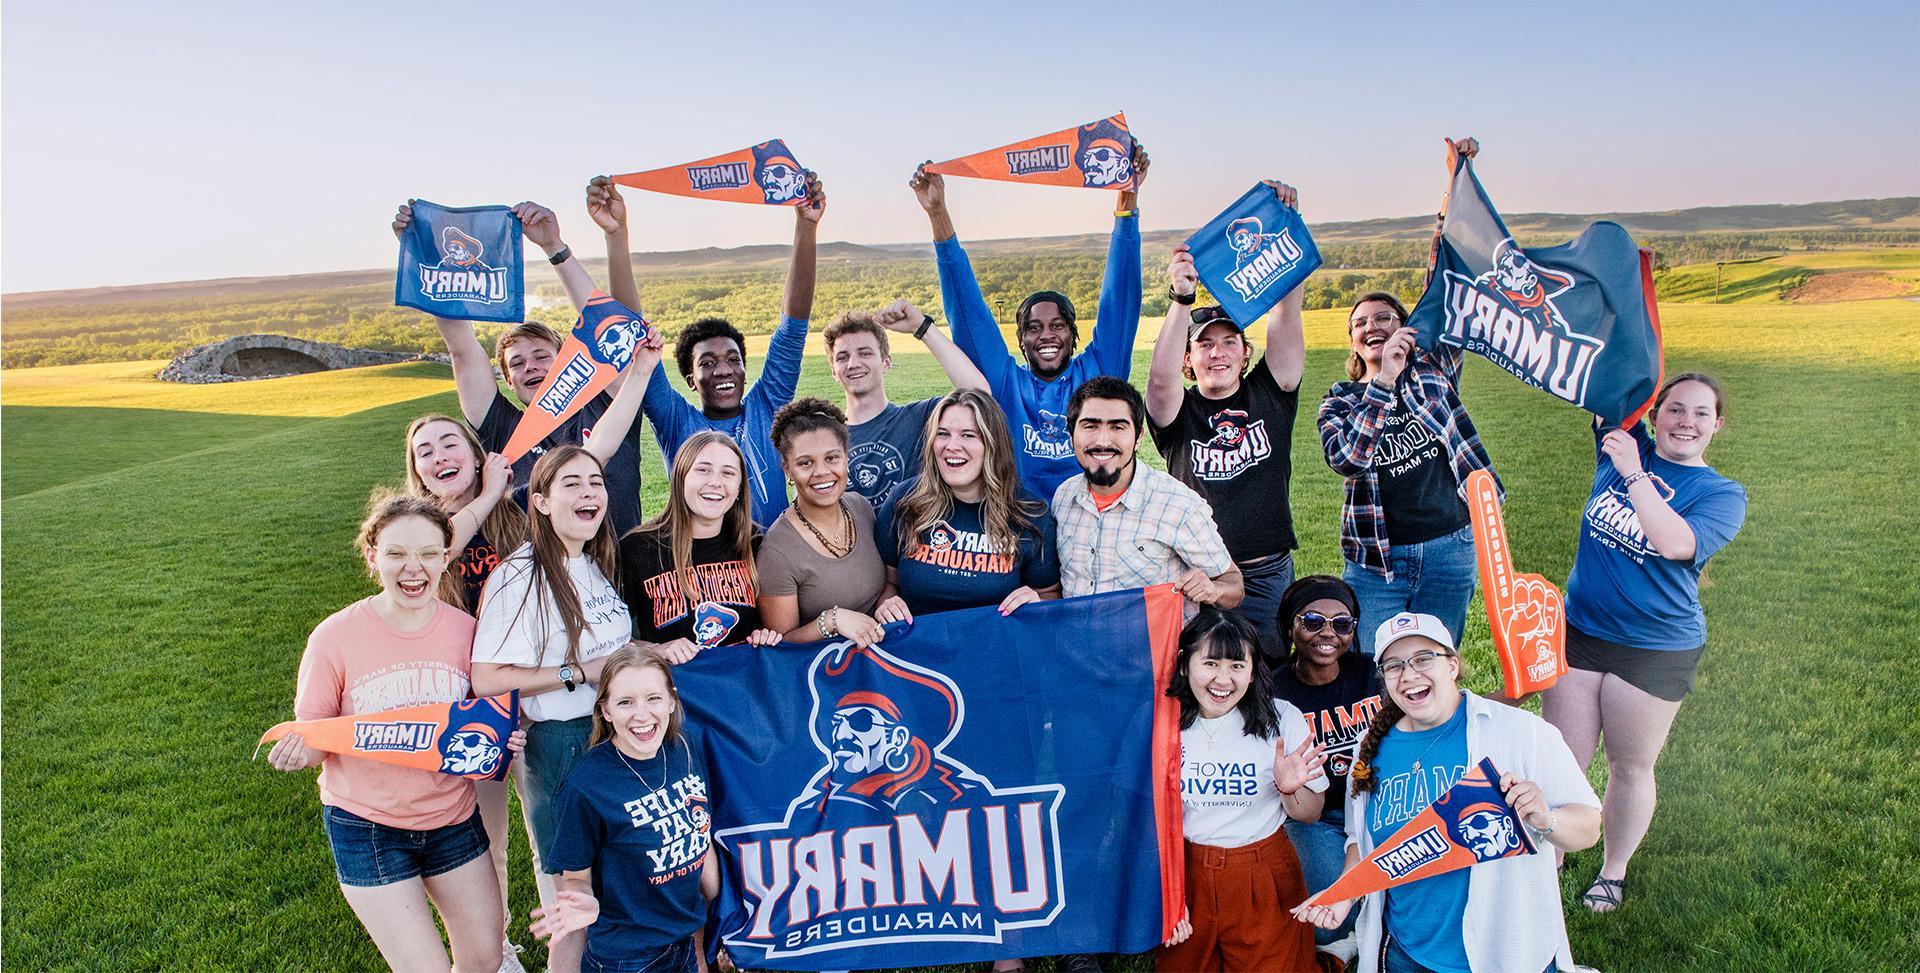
{"points": [[952, 564], [1037, 410], [675, 420], [886, 448], [1424, 916], [1621, 589], [643, 826]]}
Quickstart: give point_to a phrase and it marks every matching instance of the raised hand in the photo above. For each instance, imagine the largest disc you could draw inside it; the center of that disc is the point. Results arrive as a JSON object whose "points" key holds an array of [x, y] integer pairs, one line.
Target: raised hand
{"points": [[1141, 163], [403, 218], [930, 188], [1288, 196], [900, 316], [1620, 447], [814, 206], [496, 475], [647, 353], [1181, 275], [1467, 147], [539, 224], [605, 204], [1292, 769], [1394, 354], [571, 910]]}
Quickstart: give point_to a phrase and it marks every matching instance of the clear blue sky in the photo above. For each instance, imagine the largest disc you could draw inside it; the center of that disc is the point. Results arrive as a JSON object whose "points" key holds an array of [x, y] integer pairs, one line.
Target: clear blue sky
{"points": [[150, 142]]}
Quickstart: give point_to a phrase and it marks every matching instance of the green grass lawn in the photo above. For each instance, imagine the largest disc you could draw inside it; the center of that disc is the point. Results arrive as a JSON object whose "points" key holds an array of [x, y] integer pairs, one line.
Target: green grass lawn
{"points": [[167, 559], [1776, 280]]}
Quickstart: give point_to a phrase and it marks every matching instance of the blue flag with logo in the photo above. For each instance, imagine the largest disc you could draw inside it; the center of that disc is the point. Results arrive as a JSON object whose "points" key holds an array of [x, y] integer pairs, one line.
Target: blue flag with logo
{"points": [[1253, 254], [974, 786], [1577, 321], [462, 263]]}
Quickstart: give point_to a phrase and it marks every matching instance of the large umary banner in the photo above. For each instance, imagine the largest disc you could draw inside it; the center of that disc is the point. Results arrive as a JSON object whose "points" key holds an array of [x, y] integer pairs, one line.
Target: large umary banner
{"points": [[976, 786]]}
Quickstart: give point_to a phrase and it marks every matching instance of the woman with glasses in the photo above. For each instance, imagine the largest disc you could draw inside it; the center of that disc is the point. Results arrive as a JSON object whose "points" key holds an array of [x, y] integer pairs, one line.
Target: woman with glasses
{"points": [[1495, 915], [1338, 691], [1635, 629], [1399, 434], [1228, 436]]}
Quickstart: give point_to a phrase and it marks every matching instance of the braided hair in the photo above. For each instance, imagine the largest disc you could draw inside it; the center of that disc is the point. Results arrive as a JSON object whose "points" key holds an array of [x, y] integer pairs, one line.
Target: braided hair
{"points": [[1360, 778]]}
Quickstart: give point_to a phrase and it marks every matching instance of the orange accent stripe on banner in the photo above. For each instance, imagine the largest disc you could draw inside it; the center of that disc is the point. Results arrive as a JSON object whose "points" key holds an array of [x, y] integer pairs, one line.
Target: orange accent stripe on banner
{"points": [[1652, 299], [1163, 635]]}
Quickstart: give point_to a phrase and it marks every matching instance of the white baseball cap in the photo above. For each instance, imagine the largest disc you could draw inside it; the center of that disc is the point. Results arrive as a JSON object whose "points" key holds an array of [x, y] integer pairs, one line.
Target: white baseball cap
{"points": [[1408, 623]]}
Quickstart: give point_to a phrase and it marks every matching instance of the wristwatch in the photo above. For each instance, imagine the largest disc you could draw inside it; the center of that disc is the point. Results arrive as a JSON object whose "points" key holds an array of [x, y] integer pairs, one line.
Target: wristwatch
{"points": [[926, 321], [560, 256], [566, 678], [1179, 298]]}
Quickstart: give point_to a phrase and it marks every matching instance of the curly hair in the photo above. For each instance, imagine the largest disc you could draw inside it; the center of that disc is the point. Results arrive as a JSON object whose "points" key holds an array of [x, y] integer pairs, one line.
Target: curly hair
{"points": [[700, 331], [805, 415]]}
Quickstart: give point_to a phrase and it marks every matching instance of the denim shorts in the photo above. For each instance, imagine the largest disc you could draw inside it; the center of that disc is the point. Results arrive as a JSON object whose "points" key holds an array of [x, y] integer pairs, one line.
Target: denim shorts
{"points": [[674, 958], [367, 853]]}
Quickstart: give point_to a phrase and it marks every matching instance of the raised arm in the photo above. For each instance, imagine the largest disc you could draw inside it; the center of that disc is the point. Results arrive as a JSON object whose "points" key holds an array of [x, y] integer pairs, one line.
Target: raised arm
{"points": [[1118, 319], [608, 210], [903, 318], [1349, 430], [975, 330], [798, 305], [617, 421], [473, 374], [543, 230], [496, 475], [1164, 387], [1286, 354]]}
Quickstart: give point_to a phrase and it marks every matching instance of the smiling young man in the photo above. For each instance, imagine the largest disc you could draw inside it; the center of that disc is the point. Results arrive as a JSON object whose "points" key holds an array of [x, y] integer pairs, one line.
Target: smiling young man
{"points": [[887, 438], [1123, 525], [1230, 433], [1035, 394], [712, 356]]}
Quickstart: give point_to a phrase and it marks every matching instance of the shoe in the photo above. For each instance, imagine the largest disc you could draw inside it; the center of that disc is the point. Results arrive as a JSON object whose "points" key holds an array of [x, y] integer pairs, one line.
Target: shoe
{"points": [[1345, 948], [1080, 963], [1605, 894]]}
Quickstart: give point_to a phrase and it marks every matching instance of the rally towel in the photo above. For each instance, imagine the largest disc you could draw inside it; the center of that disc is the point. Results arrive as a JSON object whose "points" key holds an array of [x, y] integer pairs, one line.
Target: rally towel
{"points": [[462, 263], [1470, 823], [975, 786], [1524, 611], [1097, 155], [596, 351], [1577, 320], [465, 739], [766, 174], [1253, 254]]}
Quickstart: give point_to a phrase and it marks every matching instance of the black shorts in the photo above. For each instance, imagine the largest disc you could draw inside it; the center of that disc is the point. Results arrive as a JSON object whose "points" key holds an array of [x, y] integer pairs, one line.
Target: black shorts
{"points": [[1657, 672]]}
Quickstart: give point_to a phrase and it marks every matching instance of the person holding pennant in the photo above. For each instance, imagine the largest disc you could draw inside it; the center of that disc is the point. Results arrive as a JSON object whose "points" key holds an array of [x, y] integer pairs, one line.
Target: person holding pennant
{"points": [[405, 841], [525, 354], [1229, 435], [1035, 395], [1635, 629], [711, 353], [886, 437], [1501, 913], [1400, 435]]}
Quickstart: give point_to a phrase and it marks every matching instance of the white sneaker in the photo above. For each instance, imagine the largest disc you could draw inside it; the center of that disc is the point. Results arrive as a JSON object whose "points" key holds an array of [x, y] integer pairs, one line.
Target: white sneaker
{"points": [[1346, 948]]}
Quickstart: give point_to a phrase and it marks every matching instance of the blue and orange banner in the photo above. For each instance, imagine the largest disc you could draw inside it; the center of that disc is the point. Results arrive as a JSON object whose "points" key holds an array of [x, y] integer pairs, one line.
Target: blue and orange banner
{"points": [[1524, 611], [1097, 155], [1578, 321], [1253, 254], [766, 174], [974, 786], [596, 351], [1469, 824], [464, 739], [462, 263]]}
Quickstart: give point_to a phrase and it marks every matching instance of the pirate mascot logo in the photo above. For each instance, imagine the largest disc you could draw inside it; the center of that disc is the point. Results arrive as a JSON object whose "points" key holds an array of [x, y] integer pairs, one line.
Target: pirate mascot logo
{"points": [[461, 275], [1508, 314], [778, 175], [1105, 154]]}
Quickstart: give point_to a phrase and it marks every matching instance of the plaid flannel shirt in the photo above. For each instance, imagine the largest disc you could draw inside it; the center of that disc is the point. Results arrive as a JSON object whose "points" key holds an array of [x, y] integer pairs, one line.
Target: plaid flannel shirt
{"points": [[1351, 419], [1156, 531]]}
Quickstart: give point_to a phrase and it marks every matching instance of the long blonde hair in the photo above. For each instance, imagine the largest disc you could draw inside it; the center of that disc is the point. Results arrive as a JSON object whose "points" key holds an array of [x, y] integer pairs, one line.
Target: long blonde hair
{"points": [[633, 656], [548, 555], [505, 526], [1004, 513], [673, 527]]}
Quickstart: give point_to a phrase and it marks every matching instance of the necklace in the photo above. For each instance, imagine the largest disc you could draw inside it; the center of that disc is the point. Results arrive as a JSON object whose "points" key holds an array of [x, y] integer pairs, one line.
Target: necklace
{"points": [[1211, 733], [832, 551], [636, 774], [1436, 742]]}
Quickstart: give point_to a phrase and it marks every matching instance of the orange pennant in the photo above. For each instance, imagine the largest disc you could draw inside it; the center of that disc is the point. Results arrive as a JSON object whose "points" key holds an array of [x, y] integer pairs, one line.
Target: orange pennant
{"points": [[596, 351], [766, 174], [1524, 610], [465, 739], [1097, 155]]}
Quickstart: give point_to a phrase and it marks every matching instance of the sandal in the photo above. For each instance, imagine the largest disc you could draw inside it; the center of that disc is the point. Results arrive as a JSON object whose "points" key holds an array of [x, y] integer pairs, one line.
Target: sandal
{"points": [[1605, 895]]}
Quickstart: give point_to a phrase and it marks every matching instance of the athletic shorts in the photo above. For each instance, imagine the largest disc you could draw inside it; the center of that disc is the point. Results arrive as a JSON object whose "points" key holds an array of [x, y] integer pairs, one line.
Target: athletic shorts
{"points": [[1667, 674], [368, 854]]}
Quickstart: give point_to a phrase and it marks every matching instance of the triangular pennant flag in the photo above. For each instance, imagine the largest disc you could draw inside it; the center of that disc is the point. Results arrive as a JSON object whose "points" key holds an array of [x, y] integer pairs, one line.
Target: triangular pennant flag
{"points": [[464, 739], [1523, 610], [1253, 254], [766, 174], [462, 263], [1097, 155], [1470, 823], [595, 353]]}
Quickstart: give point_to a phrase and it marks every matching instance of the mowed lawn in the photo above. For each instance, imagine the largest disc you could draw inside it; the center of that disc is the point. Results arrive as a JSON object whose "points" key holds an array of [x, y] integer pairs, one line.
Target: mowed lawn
{"points": [[169, 548]]}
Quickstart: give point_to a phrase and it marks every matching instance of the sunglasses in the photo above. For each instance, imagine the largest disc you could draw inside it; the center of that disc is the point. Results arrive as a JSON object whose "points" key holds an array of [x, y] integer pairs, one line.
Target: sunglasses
{"points": [[1314, 622], [1203, 316]]}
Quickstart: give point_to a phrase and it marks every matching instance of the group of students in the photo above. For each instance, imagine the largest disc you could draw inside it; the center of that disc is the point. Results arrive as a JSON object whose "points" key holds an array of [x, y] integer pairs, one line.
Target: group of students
{"points": [[1021, 484]]}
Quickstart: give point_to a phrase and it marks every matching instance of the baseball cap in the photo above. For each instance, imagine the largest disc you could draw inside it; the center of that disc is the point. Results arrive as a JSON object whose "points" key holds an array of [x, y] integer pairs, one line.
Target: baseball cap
{"points": [[1408, 623], [1209, 314]]}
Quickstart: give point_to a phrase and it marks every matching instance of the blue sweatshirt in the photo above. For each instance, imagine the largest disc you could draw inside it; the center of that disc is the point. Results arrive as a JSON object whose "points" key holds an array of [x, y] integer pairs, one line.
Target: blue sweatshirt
{"points": [[675, 419], [1037, 410]]}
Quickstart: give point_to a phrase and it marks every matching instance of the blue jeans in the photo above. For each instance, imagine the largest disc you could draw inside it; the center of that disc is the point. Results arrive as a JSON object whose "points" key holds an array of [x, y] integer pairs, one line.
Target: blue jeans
{"points": [[553, 747], [1435, 577], [1322, 847], [675, 958], [1266, 582]]}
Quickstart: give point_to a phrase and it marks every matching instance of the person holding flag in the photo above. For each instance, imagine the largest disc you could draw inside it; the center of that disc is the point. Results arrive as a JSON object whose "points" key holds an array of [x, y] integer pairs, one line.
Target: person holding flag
{"points": [[404, 841], [1496, 915], [1635, 629], [712, 354], [524, 355], [1229, 435], [886, 437], [1035, 395]]}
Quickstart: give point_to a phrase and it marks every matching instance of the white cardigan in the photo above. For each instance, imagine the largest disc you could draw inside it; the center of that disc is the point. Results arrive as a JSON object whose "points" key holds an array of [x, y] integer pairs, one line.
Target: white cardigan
{"points": [[1513, 920]]}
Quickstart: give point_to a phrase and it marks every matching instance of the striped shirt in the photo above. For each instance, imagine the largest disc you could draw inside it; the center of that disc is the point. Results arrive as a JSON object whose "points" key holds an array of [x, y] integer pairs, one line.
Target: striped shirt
{"points": [[1156, 531]]}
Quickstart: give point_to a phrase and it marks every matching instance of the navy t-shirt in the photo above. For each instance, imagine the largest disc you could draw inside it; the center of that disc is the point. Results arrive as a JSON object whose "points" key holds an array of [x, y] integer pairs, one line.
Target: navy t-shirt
{"points": [[1411, 770], [952, 564], [1418, 493], [1621, 589], [622, 472], [476, 561], [643, 826], [886, 448], [1338, 713]]}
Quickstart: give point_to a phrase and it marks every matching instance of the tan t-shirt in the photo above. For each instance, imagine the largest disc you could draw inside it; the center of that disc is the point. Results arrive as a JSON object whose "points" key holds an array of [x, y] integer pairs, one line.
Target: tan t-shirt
{"points": [[789, 565]]}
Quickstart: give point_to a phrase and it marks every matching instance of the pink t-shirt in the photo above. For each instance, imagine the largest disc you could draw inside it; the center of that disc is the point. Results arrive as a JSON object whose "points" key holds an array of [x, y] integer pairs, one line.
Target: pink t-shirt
{"points": [[357, 663]]}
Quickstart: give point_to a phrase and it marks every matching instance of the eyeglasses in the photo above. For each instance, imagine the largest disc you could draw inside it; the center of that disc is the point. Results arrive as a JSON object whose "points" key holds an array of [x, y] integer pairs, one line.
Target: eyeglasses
{"points": [[1382, 319], [1418, 662], [1314, 622]]}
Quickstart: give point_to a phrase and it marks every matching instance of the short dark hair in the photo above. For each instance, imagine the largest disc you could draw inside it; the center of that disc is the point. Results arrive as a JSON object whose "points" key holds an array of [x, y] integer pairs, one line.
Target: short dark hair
{"points": [[1021, 316], [1217, 633], [805, 415], [700, 331], [1107, 387]]}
